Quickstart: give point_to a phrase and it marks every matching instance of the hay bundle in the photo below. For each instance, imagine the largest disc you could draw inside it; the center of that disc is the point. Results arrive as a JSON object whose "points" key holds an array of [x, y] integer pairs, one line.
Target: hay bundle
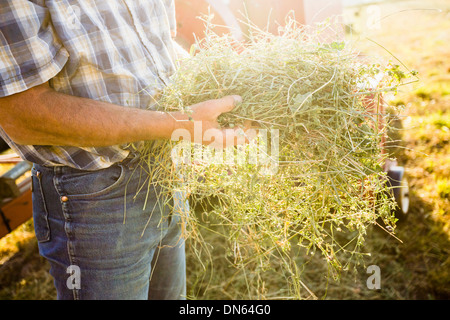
{"points": [[311, 181]]}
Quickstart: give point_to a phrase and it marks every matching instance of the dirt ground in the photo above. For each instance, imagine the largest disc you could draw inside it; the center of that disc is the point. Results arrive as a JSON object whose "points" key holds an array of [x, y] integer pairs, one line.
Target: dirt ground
{"points": [[413, 265]]}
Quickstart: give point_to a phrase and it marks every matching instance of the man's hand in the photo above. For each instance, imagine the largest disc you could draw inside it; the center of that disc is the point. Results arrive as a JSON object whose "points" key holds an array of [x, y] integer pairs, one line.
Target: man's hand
{"points": [[201, 124]]}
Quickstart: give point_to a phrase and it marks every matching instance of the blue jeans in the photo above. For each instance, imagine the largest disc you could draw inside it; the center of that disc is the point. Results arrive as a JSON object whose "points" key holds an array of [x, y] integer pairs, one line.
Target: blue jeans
{"points": [[100, 241]]}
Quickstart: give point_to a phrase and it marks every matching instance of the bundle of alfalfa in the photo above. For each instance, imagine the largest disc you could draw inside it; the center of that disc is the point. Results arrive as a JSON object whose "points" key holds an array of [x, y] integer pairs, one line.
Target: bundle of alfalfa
{"points": [[311, 180]]}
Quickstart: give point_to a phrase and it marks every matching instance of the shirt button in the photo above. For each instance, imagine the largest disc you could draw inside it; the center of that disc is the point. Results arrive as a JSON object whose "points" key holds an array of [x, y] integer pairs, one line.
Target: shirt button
{"points": [[64, 199]]}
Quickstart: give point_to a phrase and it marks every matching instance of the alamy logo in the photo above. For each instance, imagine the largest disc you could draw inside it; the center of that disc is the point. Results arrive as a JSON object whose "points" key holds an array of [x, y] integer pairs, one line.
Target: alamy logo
{"points": [[74, 279], [373, 21], [263, 149], [74, 15], [374, 281]]}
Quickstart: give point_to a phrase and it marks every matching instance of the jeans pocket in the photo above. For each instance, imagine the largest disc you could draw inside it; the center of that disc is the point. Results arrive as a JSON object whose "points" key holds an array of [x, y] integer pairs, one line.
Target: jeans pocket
{"points": [[91, 184], [40, 212]]}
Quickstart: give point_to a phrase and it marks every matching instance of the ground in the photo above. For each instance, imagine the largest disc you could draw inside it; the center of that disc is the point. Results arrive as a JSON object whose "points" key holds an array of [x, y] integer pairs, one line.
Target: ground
{"points": [[413, 265]]}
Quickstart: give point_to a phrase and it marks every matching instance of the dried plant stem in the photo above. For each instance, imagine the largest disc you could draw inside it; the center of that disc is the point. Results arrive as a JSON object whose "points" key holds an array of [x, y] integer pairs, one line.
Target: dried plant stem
{"points": [[329, 184]]}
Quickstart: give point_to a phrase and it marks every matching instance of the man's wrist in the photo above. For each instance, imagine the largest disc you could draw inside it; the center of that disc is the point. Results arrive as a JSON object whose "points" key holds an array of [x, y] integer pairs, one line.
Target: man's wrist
{"points": [[181, 120]]}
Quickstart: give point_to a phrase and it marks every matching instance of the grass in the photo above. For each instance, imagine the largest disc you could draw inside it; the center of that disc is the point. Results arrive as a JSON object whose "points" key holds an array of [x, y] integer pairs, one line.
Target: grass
{"points": [[327, 188], [23, 273], [416, 268]]}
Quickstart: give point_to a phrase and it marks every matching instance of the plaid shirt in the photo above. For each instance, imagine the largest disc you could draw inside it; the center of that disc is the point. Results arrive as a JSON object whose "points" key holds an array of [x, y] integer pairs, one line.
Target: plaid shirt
{"points": [[118, 51]]}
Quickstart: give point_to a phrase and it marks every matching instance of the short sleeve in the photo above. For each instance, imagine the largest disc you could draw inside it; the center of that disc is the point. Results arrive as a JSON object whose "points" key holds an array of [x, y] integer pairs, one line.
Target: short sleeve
{"points": [[30, 51]]}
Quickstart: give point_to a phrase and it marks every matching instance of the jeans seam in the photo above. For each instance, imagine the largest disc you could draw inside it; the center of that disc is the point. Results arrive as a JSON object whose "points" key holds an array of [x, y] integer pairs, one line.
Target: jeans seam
{"points": [[44, 204], [67, 219]]}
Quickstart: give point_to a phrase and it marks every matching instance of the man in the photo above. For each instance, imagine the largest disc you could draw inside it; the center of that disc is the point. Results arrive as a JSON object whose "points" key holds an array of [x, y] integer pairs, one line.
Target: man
{"points": [[76, 80]]}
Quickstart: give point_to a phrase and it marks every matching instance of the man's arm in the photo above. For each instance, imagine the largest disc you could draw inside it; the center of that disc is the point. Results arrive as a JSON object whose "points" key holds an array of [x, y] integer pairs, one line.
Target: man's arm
{"points": [[42, 116]]}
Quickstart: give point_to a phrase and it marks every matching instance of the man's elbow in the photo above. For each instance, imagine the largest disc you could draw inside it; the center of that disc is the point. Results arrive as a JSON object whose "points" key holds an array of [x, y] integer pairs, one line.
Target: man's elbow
{"points": [[15, 120], [17, 132]]}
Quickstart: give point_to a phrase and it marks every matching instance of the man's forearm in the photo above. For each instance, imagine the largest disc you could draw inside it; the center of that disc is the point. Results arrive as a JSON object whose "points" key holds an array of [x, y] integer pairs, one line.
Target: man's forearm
{"points": [[47, 117]]}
